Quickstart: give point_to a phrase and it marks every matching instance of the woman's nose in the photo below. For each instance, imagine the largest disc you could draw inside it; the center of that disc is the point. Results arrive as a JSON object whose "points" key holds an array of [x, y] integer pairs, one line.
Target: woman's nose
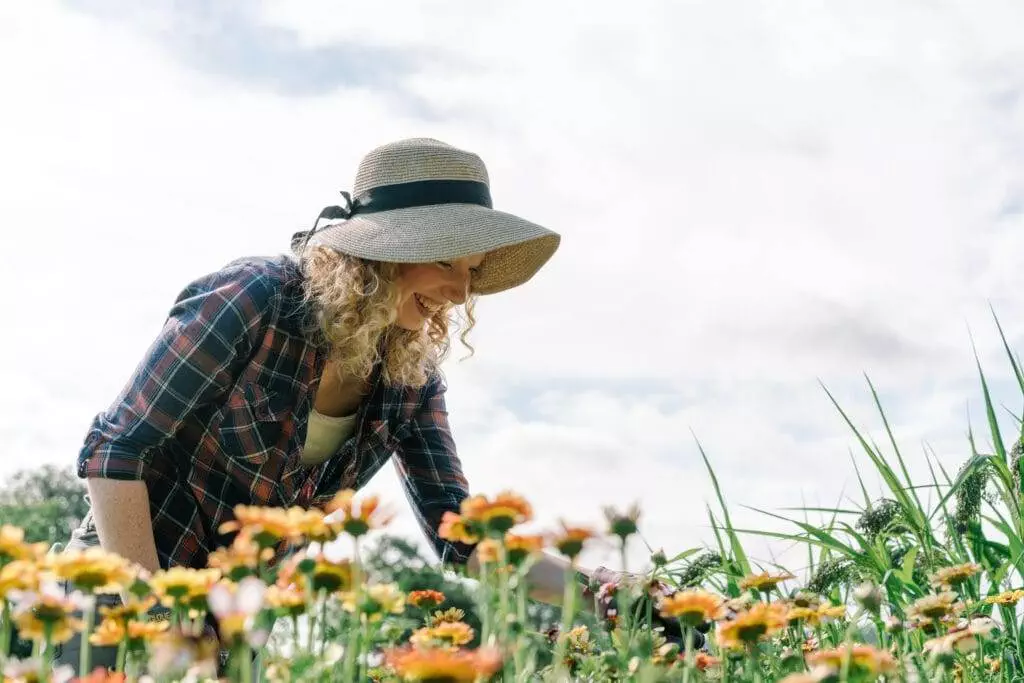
{"points": [[456, 289]]}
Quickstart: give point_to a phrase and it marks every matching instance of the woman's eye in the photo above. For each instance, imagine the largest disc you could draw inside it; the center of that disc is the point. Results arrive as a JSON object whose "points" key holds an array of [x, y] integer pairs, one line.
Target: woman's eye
{"points": [[444, 264]]}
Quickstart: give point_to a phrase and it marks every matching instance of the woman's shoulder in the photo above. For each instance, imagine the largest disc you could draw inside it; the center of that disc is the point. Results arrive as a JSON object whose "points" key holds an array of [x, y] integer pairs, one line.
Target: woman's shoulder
{"points": [[264, 278]]}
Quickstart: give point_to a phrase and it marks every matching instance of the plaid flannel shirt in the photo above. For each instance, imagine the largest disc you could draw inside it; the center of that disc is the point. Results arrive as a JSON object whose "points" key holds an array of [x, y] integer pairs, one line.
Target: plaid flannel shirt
{"points": [[215, 415]]}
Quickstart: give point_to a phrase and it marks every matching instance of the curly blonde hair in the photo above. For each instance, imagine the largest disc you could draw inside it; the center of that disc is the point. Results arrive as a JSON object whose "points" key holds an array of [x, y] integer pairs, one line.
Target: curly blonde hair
{"points": [[355, 302]]}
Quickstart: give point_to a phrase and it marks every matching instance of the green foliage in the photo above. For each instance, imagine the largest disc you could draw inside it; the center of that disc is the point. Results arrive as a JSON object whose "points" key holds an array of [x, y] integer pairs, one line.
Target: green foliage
{"points": [[47, 502]]}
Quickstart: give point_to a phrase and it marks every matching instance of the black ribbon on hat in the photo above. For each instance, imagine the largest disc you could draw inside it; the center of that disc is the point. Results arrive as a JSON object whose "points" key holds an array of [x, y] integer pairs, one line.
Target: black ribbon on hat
{"points": [[402, 196]]}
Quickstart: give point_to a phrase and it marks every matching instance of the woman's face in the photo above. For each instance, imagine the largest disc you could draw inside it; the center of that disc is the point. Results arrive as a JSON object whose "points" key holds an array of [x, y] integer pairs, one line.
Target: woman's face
{"points": [[428, 287]]}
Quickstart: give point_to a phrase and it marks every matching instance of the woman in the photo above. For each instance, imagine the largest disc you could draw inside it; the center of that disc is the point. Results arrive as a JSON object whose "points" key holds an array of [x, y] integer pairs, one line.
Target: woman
{"points": [[279, 381]]}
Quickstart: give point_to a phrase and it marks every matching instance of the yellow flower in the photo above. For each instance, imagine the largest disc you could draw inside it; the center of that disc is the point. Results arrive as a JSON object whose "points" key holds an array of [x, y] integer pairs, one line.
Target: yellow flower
{"points": [[376, 601], [426, 599], [935, 606], [569, 540], [182, 586], [454, 528], [764, 581], [122, 613], [445, 634], [1005, 598], [92, 570], [763, 620], [358, 520], [691, 607], [497, 516], [954, 576], [331, 576], [443, 665], [866, 661], [578, 640], [288, 600], [18, 575], [13, 546], [314, 527], [49, 613], [815, 616], [241, 558], [450, 615], [110, 632], [146, 630]]}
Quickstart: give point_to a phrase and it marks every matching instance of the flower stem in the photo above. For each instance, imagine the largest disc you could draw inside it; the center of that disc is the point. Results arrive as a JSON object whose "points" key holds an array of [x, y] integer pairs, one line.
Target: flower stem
{"points": [[122, 654], [351, 653], [47, 654], [690, 657], [5, 630], [84, 655], [568, 612]]}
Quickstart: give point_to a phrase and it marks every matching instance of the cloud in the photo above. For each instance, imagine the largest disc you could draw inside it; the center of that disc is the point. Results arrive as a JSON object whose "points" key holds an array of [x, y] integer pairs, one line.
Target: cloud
{"points": [[753, 198]]}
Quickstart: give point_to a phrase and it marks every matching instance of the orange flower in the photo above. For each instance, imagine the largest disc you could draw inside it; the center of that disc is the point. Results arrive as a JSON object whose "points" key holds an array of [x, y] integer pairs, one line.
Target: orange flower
{"points": [[522, 547], [866, 661], [268, 526], [426, 599], [443, 664], [358, 520], [764, 581], [102, 675], [487, 551], [454, 528], [691, 607], [499, 515], [703, 661], [569, 540], [762, 620]]}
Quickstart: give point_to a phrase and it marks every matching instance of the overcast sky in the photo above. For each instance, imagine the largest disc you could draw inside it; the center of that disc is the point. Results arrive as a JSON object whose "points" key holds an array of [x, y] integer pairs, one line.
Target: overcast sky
{"points": [[753, 197]]}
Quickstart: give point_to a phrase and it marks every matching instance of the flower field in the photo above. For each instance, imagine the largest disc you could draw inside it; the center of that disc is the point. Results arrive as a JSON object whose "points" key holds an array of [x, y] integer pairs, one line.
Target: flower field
{"points": [[897, 590]]}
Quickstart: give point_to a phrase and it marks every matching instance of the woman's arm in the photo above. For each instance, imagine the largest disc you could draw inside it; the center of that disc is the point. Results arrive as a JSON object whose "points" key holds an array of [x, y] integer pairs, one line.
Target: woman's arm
{"points": [[207, 338], [117, 507]]}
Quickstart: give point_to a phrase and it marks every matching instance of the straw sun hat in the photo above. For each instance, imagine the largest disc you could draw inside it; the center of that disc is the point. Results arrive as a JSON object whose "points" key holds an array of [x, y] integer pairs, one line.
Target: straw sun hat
{"points": [[421, 200]]}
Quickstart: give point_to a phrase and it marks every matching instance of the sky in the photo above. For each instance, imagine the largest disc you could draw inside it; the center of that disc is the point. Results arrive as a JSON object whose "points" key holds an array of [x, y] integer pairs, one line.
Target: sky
{"points": [[758, 200]]}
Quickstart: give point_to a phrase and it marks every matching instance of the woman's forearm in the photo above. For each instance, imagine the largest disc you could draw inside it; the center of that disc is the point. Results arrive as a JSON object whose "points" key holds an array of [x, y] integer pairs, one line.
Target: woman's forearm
{"points": [[121, 512]]}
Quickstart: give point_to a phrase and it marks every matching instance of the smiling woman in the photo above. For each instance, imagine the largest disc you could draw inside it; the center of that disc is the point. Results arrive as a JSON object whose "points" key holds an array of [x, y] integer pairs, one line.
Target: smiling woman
{"points": [[279, 381]]}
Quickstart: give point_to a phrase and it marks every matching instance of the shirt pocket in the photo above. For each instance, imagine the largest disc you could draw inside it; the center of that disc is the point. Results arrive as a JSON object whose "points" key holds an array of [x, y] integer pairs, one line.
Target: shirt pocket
{"points": [[257, 424]]}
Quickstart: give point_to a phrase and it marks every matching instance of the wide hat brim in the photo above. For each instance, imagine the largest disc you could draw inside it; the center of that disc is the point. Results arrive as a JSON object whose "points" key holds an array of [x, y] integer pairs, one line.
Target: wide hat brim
{"points": [[515, 248]]}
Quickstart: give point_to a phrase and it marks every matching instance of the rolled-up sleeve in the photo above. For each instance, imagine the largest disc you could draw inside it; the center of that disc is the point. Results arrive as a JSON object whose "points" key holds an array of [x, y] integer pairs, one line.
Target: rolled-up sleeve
{"points": [[429, 468], [210, 331]]}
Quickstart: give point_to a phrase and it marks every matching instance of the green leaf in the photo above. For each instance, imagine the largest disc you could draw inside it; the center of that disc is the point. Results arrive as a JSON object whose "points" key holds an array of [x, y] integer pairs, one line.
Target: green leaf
{"points": [[906, 572]]}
